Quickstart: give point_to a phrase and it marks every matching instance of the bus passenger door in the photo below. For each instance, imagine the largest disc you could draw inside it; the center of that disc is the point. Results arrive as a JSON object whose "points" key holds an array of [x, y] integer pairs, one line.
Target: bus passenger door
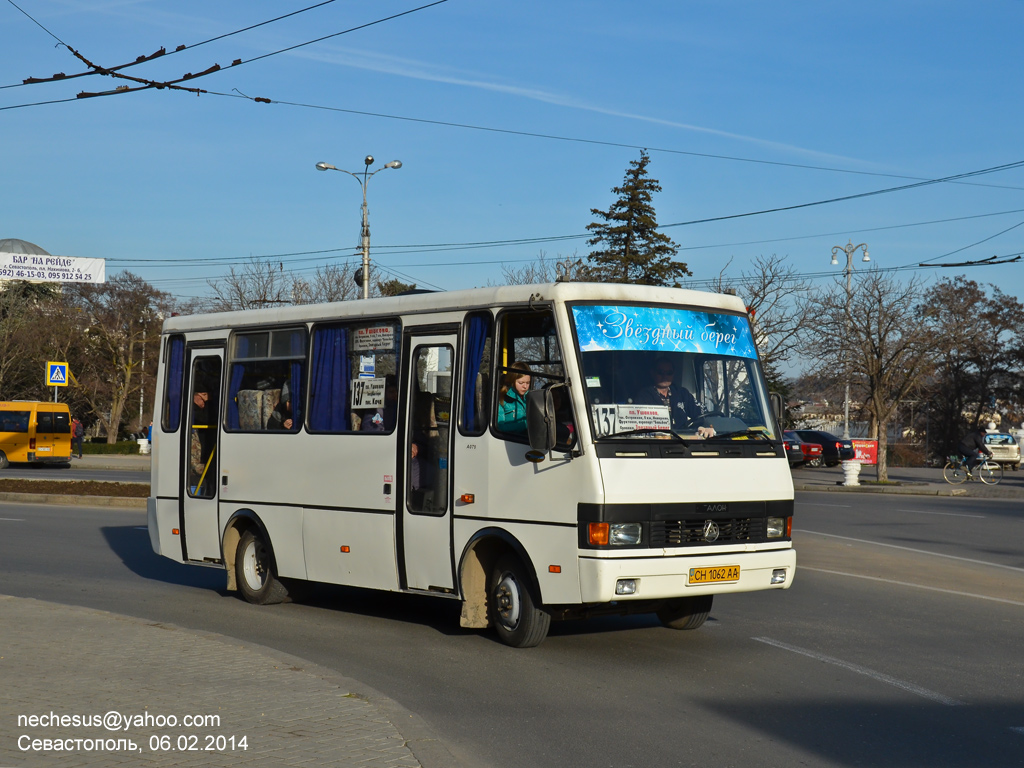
{"points": [[200, 525], [425, 504]]}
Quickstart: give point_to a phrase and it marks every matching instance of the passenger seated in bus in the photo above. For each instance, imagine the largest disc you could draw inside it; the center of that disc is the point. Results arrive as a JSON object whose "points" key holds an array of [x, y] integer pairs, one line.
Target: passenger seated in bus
{"points": [[383, 419], [681, 404], [281, 417], [512, 400]]}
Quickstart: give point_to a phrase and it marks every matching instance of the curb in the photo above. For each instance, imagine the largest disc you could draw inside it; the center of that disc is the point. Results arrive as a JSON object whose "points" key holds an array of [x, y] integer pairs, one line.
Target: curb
{"points": [[125, 502], [905, 490]]}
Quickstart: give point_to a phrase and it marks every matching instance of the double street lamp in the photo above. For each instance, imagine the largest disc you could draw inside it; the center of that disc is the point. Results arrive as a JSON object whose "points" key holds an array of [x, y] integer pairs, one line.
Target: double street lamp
{"points": [[849, 249], [366, 175]]}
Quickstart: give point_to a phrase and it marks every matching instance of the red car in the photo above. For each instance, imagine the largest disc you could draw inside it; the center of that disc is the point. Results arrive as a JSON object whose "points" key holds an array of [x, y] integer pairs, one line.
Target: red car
{"points": [[808, 452]]}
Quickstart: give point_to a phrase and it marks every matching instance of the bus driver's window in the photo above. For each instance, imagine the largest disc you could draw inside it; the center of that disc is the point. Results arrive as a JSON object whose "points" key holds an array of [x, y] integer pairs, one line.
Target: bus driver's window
{"points": [[530, 357]]}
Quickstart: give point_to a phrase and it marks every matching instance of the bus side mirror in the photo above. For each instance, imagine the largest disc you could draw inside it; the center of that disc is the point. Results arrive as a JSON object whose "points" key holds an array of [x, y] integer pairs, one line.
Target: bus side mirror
{"points": [[777, 407], [540, 419]]}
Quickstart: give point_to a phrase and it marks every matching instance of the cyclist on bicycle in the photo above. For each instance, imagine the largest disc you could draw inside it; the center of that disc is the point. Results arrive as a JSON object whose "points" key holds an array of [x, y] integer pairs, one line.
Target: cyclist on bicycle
{"points": [[973, 446]]}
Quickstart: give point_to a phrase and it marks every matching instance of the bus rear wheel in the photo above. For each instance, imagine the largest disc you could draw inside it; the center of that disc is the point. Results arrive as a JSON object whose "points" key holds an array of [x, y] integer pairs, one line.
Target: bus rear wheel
{"points": [[4, 463], [686, 612], [254, 571], [514, 613]]}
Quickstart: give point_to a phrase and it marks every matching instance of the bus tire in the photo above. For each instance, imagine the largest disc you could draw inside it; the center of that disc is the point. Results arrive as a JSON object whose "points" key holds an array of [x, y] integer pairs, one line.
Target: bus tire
{"points": [[686, 612], [514, 612], [4, 463], [254, 571]]}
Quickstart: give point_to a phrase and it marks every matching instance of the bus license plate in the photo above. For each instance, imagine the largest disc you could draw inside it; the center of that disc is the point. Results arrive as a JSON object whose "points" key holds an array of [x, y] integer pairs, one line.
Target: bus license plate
{"points": [[713, 575]]}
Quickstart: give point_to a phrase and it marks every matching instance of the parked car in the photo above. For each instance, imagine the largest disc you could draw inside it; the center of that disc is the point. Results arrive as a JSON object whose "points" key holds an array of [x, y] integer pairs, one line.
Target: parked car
{"points": [[794, 452], [811, 452], [1004, 449], [833, 449]]}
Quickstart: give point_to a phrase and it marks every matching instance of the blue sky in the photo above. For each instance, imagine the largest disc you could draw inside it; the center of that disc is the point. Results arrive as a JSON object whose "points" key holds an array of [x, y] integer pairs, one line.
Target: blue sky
{"points": [[743, 107]]}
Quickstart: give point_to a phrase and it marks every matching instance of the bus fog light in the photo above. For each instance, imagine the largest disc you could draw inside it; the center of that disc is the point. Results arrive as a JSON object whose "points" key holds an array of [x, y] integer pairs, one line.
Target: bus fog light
{"points": [[626, 586], [779, 576], [624, 534], [776, 527]]}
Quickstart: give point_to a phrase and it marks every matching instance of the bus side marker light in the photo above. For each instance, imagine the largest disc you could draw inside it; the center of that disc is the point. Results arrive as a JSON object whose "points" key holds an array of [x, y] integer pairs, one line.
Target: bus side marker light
{"points": [[554, 569], [597, 534], [175, 532], [467, 498], [779, 576], [345, 549], [626, 586]]}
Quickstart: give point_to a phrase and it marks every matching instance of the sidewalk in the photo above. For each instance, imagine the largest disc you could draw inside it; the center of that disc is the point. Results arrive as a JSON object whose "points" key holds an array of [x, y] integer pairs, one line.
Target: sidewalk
{"points": [[908, 480], [136, 677]]}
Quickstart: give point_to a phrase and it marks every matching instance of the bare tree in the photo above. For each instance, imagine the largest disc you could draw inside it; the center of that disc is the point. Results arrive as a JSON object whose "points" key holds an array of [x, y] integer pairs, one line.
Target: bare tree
{"points": [[546, 270], [775, 296], [879, 336], [120, 318], [258, 283]]}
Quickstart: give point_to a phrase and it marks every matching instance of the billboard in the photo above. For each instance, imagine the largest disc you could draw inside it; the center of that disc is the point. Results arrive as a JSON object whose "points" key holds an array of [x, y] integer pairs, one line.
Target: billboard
{"points": [[51, 269]]}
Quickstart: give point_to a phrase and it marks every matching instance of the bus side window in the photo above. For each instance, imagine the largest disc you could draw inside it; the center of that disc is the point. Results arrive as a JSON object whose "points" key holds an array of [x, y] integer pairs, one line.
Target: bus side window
{"points": [[175, 351], [476, 390], [353, 378], [267, 380]]}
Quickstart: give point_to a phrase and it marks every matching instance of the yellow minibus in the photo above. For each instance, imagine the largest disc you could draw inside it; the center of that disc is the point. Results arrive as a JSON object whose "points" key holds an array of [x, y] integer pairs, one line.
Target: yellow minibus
{"points": [[34, 432]]}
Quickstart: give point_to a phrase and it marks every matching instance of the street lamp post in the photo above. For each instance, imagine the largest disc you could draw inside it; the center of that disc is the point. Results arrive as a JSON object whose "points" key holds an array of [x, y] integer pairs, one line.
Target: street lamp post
{"points": [[849, 249], [365, 236]]}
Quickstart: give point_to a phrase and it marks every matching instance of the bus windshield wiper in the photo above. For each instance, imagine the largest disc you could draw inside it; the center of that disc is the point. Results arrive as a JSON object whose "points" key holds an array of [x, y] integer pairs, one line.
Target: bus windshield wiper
{"points": [[748, 432], [638, 430]]}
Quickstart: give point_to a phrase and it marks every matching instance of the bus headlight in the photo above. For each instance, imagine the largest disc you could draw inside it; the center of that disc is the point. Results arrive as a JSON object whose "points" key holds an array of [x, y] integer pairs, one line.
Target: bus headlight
{"points": [[624, 534], [776, 527]]}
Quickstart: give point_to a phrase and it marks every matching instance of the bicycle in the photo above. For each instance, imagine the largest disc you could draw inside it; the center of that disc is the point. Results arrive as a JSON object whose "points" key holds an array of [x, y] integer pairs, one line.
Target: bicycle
{"points": [[956, 472]]}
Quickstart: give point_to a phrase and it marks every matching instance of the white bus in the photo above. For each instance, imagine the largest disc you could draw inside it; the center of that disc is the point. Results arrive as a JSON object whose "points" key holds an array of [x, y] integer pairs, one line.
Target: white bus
{"points": [[535, 452]]}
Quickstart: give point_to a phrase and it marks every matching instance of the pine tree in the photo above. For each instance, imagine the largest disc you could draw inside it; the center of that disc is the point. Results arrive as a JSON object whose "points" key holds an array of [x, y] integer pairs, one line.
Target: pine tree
{"points": [[634, 250]]}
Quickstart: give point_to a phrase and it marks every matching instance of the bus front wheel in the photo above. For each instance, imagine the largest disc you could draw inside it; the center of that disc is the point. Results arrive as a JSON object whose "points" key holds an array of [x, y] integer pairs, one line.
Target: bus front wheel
{"points": [[516, 618], [686, 612], [254, 571], [4, 463]]}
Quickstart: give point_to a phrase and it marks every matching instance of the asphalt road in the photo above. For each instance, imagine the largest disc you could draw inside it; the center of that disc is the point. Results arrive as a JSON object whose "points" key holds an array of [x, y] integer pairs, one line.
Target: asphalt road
{"points": [[898, 645]]}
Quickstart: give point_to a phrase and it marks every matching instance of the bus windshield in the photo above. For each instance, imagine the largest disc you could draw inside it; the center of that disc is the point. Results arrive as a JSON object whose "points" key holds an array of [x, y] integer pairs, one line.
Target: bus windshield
{"points": [[654, 371]]}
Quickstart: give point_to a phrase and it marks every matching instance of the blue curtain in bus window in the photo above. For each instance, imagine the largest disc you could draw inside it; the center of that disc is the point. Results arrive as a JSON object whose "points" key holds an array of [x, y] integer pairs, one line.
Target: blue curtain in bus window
{"points": [[298, 347], [175, 377], [237, 374], [328, 396], [476, 339]]}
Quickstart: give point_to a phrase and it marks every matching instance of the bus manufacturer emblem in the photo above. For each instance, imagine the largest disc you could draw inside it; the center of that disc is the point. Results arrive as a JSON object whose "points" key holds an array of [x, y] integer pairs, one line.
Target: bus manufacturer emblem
{"points": [[710, 531]]}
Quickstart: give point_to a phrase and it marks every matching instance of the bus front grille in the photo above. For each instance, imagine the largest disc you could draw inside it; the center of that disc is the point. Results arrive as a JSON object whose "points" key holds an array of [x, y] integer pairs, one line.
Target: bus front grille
{"points": [[680, 533]]}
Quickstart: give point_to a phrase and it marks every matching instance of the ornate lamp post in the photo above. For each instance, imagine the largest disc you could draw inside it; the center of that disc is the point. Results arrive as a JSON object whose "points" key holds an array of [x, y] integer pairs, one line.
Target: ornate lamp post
{"points": [[849, 249], [366, 176]]}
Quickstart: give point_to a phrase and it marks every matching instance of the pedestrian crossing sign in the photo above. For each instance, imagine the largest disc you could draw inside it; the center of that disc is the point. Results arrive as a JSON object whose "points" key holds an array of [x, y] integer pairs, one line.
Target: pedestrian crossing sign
{"points": [[56, 374]]}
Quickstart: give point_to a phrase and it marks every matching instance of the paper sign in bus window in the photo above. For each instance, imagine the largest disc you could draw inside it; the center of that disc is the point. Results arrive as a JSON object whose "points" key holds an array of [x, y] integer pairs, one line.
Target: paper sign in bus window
{"points": [[609, 419], [377, 337], [368, 393]]}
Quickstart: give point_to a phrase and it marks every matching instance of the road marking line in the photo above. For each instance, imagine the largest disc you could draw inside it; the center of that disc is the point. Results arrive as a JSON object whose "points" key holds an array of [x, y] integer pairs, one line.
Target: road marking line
{"points": [[947, 514], [911, 549], [879, 676], [918, 586], [13, 519]]}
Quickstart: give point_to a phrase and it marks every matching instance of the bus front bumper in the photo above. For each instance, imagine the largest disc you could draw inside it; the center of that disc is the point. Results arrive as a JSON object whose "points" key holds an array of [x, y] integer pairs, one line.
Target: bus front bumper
{"points": [[657, 578]]}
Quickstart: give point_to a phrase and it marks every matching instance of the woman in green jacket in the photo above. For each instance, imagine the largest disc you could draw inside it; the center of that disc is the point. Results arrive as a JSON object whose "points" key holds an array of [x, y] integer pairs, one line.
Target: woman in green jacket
{"points": [[512, 401]]}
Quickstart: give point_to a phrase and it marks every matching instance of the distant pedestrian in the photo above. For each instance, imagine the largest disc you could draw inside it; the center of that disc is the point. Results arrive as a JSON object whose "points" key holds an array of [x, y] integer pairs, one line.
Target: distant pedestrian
{"points": [[77, 434], [149, 433]]}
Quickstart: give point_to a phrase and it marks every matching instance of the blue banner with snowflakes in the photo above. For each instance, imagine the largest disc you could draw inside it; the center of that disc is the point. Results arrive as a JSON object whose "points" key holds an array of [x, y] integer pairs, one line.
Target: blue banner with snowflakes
{"points": [[662, 329]]}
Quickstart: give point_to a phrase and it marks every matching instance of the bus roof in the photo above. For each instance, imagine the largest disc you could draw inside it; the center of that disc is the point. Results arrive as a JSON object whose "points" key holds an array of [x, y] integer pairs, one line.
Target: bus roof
{"points": [[462, 300]]}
